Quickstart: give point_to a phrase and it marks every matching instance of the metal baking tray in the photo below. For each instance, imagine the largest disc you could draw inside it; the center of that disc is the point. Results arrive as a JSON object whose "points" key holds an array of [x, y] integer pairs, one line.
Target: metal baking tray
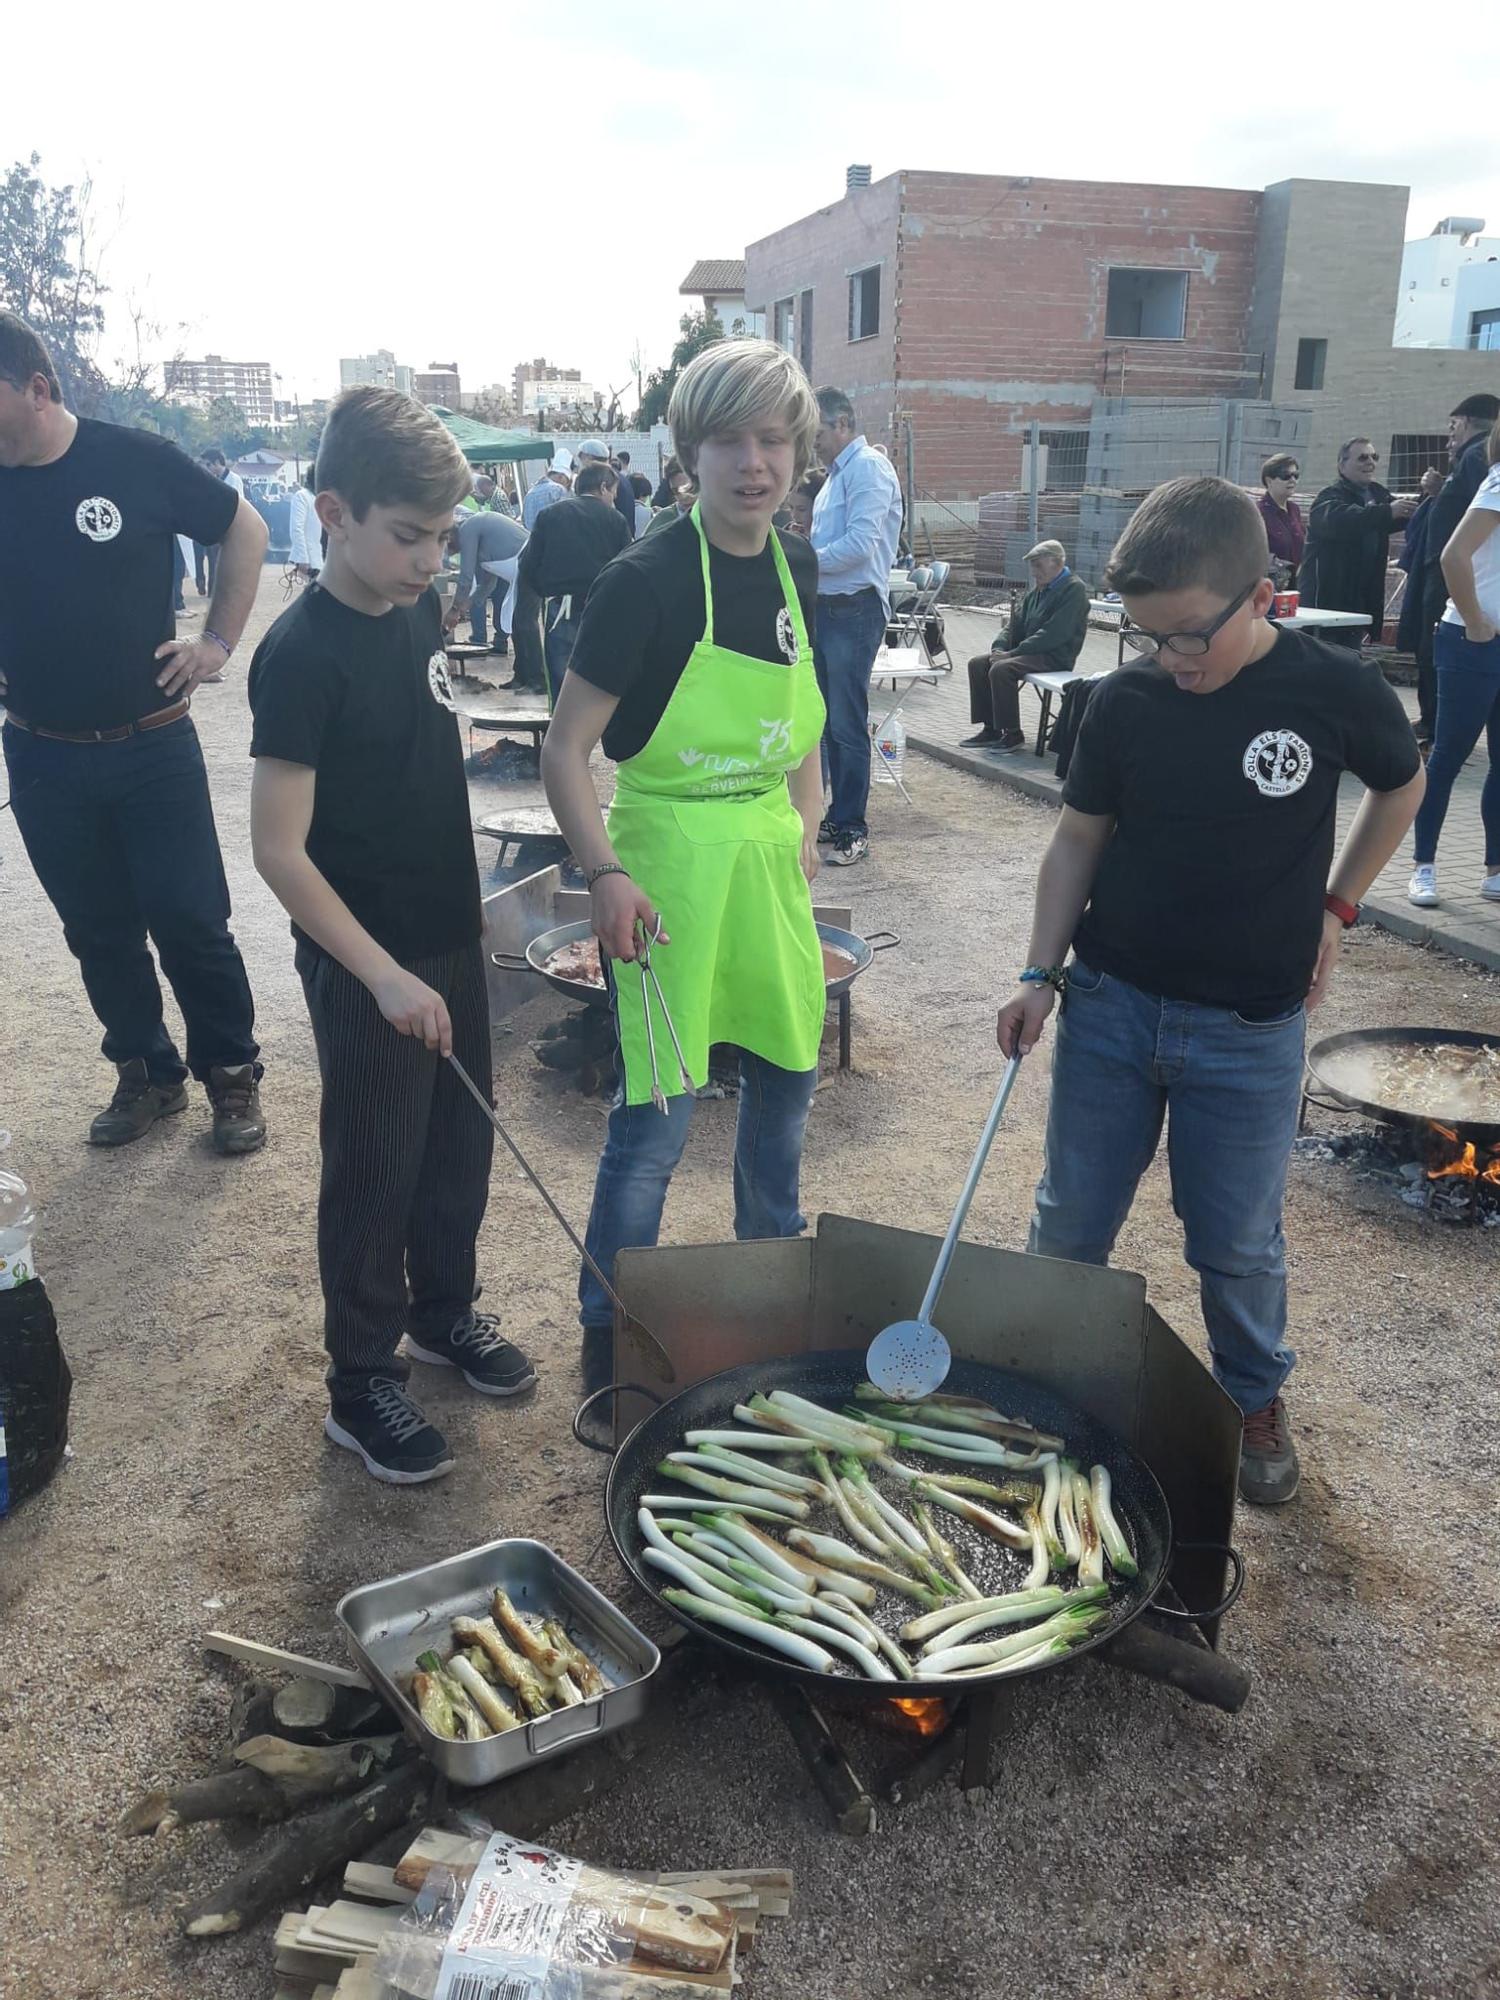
{"points": [[386, 1625]]}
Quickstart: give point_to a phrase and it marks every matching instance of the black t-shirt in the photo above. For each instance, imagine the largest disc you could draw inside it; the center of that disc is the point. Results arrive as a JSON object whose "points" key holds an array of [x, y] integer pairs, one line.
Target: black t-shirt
{"points": [[569, 545], [1212, 886], [86, 572], [365, 702], [646, 613]]}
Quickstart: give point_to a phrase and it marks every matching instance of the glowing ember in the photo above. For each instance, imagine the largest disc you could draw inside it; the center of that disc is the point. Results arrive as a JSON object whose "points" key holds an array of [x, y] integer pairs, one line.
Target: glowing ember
{"points": [[923, 1716]]}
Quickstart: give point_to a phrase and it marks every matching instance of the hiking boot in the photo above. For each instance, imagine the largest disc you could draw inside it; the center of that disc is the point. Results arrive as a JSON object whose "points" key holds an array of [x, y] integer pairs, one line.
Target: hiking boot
{"points": [[1269, 1472], [239, 1122], [135, 1106], [486, 1360], [848, 848], [390, 1434], [1422, 889]]}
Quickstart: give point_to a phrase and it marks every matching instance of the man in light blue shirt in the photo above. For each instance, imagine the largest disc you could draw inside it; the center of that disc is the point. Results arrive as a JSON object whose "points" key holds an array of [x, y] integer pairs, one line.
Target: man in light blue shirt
{"points": [[547, 492], [856, 526]]}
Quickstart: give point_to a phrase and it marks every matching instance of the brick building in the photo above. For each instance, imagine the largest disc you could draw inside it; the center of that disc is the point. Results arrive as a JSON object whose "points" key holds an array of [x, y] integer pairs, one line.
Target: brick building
{"points": [[958, 308], [438, 385]]}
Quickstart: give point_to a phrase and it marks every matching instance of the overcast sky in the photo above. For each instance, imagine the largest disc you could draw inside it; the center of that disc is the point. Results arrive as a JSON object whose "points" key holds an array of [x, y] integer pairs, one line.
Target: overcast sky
{"points": [[293, 184]]}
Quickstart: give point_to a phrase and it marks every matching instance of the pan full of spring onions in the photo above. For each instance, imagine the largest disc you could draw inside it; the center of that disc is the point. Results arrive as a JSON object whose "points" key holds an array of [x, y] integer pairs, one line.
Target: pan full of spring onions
{"points": [[787, 1511]]}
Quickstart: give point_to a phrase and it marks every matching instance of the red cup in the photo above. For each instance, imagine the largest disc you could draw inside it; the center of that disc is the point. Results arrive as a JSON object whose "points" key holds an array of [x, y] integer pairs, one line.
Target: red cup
{"points": [[1284, 604]]}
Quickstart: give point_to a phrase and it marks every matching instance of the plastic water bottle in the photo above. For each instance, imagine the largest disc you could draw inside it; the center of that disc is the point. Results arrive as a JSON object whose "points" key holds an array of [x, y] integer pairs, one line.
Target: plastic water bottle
{"points": [[17, 1221], [890, 749]]}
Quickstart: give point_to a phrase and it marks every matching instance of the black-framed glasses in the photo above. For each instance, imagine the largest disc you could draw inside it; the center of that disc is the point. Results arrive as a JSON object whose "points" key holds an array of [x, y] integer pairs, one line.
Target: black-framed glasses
{"points": [[1189, 645]]}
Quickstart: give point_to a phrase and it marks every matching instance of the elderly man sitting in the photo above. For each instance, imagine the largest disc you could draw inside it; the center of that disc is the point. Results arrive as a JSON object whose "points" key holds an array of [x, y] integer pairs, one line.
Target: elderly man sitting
{"points": [[1045, 635]]}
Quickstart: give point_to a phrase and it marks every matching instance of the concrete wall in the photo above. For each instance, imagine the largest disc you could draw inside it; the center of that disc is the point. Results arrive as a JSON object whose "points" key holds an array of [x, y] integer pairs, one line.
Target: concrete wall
{"points": [[1337, 280], [819, 253], [1003, 284]]}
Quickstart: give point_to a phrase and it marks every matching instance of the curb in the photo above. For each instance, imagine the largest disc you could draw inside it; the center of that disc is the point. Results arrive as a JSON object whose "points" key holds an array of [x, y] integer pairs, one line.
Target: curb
{"points": [[1402, 923]]}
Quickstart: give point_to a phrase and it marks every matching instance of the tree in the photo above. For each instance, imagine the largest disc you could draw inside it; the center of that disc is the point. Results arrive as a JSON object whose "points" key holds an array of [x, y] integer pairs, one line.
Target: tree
{"points": [[46, 275], [698, 330]]}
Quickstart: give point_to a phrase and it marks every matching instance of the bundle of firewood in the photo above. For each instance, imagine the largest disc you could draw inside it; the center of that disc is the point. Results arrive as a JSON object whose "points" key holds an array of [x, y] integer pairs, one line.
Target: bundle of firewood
{"points": [[330, 1950]]}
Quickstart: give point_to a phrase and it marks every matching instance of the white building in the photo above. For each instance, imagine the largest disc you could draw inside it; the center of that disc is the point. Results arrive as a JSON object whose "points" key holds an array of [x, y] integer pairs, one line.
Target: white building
{"points": [[380, 370], [555, 394], [719, 283], [1450, 287], [246, 384]]}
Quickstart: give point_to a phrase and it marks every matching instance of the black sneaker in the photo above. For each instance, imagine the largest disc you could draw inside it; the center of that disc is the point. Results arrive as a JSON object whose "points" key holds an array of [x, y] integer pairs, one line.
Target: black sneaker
{"points": [[985, 736], [501, 646], [135, 1106], [827, 832], [239, 1122], [1269, 1472], [475, 1346], [390, 1434], [848, 848]]}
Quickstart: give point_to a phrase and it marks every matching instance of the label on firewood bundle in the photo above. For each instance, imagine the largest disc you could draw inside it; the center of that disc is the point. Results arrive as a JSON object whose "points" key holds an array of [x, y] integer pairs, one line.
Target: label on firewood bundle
{"points": [[504, 1944]]}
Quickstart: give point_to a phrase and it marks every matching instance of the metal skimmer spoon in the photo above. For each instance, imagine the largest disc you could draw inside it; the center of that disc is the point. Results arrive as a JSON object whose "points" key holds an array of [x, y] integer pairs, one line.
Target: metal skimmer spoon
{"points": [[911, 1359]]}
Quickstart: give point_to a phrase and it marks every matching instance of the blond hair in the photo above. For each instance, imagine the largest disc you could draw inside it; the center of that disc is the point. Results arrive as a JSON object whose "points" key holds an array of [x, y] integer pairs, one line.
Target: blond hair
{"points": [[1191, 534], [735, 383], [382, 449]]}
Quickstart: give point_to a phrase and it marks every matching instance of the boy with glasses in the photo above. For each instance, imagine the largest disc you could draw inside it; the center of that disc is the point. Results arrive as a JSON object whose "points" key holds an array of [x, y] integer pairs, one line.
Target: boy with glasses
{"points": [[1348, 540], [1190, 875]]}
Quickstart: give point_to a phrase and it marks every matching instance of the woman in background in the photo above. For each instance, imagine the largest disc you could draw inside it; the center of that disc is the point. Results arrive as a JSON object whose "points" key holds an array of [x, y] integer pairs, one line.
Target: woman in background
{"points": [[1286, 532]]}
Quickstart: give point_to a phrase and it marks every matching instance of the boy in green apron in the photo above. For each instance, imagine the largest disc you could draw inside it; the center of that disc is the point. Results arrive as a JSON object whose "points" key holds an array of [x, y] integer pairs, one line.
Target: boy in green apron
{"points": [[694, 667]]}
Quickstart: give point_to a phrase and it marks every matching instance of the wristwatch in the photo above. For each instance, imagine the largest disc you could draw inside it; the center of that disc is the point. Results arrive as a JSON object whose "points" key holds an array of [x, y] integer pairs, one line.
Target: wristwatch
{"points": [[1347, 913]]}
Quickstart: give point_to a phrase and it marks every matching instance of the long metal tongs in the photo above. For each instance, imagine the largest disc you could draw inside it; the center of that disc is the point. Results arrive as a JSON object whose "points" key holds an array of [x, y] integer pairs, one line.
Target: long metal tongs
{"points": [[662, 1358], [648, 972]]}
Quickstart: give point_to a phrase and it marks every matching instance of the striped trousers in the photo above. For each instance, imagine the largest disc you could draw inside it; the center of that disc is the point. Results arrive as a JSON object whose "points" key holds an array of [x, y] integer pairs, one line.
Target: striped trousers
{"points": [[406, 1163]]}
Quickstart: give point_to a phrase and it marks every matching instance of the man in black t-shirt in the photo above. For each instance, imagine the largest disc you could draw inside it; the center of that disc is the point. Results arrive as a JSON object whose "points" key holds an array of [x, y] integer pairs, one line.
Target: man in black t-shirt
{"points": [[359, 815], [1190, 874], [569, 545], [106, 774]]}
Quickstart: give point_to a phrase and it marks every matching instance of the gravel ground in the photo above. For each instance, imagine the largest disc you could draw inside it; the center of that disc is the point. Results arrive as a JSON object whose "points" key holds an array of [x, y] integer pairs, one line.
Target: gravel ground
{"points": [[1335, 1839]]}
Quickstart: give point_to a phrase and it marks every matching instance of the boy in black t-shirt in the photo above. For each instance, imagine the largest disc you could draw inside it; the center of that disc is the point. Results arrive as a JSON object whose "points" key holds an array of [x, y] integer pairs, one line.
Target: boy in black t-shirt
{"points": [[1190, 874], [360, 823]]}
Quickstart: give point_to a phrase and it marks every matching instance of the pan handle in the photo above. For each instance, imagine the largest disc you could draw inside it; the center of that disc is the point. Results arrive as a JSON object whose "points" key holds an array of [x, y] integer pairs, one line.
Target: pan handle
{"points": [[1237, 1564], [609, 1389], [891, 940], [512, 961]]}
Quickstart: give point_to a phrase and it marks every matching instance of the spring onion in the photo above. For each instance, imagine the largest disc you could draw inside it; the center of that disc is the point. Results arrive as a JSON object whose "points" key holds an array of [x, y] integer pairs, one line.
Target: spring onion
{"points": [[1051, 1491], [752, 1625], [830, 1635], [838, 1555], [945, 1552], [1121, 1560], [1091, 1559], [750, 1470], [682, 1503], [730, 1490], [1067, 1520], [1013, 1607], [1069, 1625], [977, 1516], [816, 1576]]}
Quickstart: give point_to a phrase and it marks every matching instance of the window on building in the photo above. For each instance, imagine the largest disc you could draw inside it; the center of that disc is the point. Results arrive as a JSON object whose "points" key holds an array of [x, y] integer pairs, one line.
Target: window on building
{"points": [[1312, 355], [1146, 305], [781, 323], [804, 331], [1067, 459], [1410, 455], [864, 303], [1484, 329]]}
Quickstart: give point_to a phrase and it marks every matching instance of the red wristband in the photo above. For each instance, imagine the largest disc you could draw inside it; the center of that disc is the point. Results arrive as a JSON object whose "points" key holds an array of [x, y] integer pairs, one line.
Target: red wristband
{"points": [[1347, 913]]}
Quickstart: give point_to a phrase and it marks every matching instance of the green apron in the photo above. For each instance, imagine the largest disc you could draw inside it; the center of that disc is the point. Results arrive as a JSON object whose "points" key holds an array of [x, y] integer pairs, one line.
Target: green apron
{"points": [[704, 822]]}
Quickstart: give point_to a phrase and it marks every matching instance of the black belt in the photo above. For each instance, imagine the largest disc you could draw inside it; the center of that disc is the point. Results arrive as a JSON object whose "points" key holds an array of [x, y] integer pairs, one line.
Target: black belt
{"points": [[158, 719]]}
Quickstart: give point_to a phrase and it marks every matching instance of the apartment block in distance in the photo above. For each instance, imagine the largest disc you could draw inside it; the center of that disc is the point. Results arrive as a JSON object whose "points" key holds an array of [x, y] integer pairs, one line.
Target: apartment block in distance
{"points": [[380, 370], [246, 384], [957, 309]]}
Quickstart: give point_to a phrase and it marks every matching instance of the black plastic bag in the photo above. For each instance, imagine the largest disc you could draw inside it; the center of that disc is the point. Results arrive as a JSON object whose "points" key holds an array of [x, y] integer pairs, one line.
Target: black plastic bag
{"points": [[35, 1385]]}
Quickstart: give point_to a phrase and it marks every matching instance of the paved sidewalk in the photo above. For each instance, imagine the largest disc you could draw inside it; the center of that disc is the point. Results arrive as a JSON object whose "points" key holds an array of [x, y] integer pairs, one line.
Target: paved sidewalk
{"points": [[937, 718]]}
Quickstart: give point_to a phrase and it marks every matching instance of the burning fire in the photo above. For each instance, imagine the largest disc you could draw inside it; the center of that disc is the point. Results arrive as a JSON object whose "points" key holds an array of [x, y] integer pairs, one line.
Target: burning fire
{"points": [[923, 1716], [1464, 1161]]}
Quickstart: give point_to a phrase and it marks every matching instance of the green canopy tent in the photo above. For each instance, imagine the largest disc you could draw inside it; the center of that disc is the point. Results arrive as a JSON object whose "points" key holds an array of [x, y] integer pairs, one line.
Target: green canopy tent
{"points": [[482, 444]]}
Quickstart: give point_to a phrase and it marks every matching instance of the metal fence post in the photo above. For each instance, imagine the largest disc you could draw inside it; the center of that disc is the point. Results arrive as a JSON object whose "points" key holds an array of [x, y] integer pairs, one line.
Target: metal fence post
{"points": [[1034, 481]]}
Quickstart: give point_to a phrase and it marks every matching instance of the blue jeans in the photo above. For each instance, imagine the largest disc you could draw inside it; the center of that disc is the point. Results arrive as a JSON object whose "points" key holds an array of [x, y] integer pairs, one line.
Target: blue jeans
{"points": [[1468, 701], [1229, 1090], [642, 1148], [122, 839], [849, 633], [559, 637]]}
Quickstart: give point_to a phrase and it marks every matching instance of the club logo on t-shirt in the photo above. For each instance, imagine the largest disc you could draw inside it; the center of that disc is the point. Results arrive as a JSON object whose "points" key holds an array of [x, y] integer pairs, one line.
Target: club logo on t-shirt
{"points": [[438, 681], [786, 636], [99, 519], [1278, 763]]}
